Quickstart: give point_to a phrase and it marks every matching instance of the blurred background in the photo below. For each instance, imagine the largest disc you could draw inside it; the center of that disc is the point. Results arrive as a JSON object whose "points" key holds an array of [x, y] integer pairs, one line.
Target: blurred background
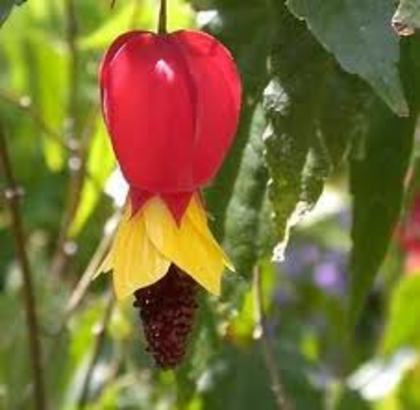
{"points": [[334, 316]]}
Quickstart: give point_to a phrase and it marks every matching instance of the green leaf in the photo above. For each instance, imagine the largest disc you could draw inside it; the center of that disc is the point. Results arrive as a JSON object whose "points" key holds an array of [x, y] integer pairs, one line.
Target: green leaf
{"points": [[402, 328], [360, 37], [296, 153], [341, 117], [99, 165], [248, 35], [49, 78], [243, 213], [377, 185], [407, 17]]}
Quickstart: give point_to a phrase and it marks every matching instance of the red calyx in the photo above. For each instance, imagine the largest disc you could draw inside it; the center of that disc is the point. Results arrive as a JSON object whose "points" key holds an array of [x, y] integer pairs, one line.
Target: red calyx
{"points": [[177, 202]]}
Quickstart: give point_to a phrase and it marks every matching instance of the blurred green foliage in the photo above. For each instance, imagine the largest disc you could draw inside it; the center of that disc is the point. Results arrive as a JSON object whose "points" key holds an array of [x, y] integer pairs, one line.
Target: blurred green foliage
{"points": [[330, 107]]}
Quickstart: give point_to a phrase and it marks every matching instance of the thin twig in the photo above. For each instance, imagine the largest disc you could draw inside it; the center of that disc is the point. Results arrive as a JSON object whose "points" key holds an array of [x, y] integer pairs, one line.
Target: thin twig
{"points": [[76, 162], [66, 247], [12, 196], [24, 103], [82, 285], [279, 392], [98, 344]]}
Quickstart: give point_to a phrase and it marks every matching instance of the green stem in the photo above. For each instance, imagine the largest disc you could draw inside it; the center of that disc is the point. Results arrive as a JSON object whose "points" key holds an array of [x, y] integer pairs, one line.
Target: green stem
{"points": [[97, 348], [282, 401], [162, 17]]}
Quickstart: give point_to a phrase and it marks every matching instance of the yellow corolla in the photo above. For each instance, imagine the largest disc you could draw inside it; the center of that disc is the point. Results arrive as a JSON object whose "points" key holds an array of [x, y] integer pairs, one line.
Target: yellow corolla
{"points": [[148, 242]]}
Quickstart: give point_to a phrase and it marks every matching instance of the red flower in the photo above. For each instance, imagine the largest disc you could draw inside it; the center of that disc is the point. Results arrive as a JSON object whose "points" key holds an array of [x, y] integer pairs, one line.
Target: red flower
{"points": [[171, 103]]}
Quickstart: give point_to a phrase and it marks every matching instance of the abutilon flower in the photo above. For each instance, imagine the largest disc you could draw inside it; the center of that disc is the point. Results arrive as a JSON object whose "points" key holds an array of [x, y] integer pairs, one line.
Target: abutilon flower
{"points": [[171, 104]]}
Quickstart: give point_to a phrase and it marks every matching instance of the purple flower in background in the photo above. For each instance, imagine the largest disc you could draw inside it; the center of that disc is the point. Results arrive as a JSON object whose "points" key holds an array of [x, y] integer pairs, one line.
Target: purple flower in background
{"points": [[299, 259], [330, 274], [326, 269], [284, 296]]}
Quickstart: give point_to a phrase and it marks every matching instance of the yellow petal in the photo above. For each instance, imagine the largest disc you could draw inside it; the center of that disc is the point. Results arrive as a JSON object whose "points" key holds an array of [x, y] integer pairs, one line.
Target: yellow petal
{"points": [[135, 261], [108, 262], [190, 246], [105, 266], [198, 217]]}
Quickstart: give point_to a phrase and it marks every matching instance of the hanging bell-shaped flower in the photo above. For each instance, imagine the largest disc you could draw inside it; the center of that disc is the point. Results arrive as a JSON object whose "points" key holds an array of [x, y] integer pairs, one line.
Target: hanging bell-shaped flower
{"points": [[171, 104]]}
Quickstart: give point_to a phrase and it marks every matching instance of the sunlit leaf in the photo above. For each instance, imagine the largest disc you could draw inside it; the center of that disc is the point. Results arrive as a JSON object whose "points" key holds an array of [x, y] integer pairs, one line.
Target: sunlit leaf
{"points": [[296, 154], [243, 214], [99, 166], [402, 329]]}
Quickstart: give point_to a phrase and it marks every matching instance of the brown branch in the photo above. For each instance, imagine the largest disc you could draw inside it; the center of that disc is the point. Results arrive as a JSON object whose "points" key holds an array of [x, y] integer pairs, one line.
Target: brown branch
{"points": [[12, 192], [279, 392], [97, 347]]}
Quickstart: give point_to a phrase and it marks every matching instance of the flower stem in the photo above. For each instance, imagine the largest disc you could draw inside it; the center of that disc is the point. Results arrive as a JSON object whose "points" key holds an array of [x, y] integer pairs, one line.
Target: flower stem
{"points": [[282, 401], [162, 17], [12, 196], [97, 348]]}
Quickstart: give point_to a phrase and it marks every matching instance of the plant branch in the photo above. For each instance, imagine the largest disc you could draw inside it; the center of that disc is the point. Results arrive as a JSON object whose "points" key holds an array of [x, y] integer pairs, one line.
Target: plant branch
{"points": [[23, 103], [82, 285], [97, 347], [279, 392], [66, 248], [12, 192]]}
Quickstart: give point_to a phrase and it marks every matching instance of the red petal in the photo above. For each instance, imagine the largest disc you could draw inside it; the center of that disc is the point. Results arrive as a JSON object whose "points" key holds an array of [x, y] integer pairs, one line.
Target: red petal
{"points": [[218, 100], [171, 104], [149, 110]]}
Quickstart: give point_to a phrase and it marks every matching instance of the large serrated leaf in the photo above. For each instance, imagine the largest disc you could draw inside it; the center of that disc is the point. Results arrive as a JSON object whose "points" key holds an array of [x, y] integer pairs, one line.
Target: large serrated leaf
{"points": [[297, 157], [377, 185], [359, 36], [243, 213]]}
